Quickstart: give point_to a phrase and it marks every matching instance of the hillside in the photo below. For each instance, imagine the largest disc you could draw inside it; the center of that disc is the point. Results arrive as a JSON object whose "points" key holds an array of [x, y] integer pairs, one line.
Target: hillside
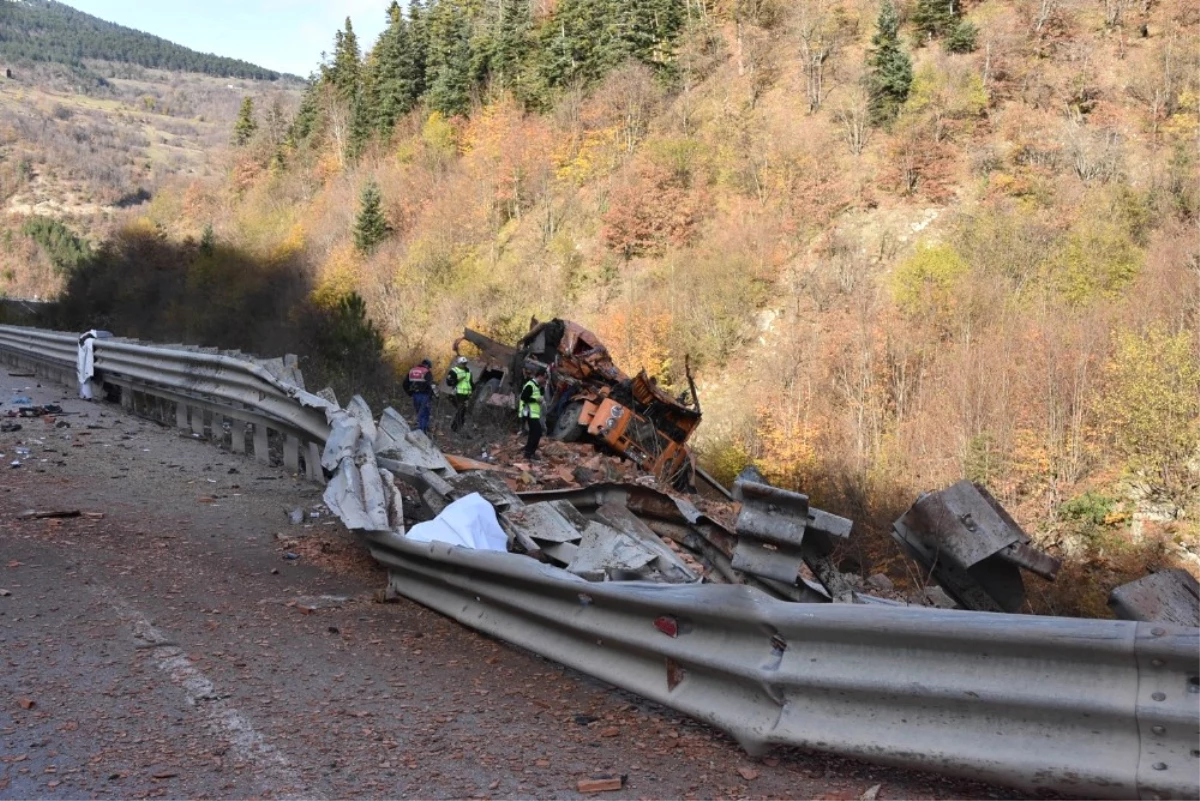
{"points": [[93, 118], [902, 245], [48, 31]]}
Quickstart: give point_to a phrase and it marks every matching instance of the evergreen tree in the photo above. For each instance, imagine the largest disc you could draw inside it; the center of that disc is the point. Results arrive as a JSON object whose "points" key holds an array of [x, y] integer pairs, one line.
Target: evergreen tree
{"points": [[503, 43], [935, 18], [370, 227], [961, 38], [392, 85], [208, 240], [587, 38], [889, 68], [362, 120], [343, 71], [448, 63], [304, 124], [245, 126]]}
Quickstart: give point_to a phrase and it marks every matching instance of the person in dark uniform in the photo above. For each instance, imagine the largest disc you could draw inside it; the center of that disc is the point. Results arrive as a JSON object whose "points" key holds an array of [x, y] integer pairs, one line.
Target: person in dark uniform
{"points": [[419, 386]]}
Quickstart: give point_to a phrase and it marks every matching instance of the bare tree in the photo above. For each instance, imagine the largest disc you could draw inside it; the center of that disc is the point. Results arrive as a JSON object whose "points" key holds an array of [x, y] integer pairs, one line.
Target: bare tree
{"points": [[822, 29], [853, 116]]}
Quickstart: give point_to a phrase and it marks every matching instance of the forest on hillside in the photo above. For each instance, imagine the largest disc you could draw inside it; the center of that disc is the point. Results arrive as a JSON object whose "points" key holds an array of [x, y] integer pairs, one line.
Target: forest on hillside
{"points": [[902, 243], [46, 30]]}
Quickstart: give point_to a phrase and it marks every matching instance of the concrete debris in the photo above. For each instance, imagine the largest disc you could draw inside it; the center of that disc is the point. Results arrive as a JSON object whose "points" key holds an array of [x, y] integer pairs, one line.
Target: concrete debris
{"points": [[1168, 596], [395, 440], [360, 411], [966, 540]]}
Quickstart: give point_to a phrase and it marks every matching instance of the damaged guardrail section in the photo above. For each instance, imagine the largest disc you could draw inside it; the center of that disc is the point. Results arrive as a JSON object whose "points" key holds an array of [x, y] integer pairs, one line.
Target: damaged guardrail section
{"points": [[1097, 709]]}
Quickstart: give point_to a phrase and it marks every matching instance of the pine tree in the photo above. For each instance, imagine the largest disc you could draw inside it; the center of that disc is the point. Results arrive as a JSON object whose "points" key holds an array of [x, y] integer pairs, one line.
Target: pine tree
{"points": [[448, 65], [245, 126], [370, 227], [503, 43], [935, 18], [392, 86], [889, 68], [343, 71], [304, 124], [208, 240]]}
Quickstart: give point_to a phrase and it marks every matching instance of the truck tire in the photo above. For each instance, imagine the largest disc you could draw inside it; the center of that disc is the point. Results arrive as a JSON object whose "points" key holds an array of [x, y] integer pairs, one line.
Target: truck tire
{"points": [[566, 425]]}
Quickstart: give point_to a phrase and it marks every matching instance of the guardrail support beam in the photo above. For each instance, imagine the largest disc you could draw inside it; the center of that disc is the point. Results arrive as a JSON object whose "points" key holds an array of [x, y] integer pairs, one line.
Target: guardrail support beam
{"points": [[312, 462], [237, 435], [291, 453], [261, 452]]}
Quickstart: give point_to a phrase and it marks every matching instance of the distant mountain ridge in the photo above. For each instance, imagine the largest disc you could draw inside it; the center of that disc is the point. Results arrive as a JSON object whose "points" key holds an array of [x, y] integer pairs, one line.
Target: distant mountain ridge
{"points": [[45, 30]]}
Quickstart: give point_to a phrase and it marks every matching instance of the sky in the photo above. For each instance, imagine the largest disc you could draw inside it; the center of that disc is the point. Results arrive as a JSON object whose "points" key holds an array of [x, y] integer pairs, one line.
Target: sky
{"points": [[281, 35]]}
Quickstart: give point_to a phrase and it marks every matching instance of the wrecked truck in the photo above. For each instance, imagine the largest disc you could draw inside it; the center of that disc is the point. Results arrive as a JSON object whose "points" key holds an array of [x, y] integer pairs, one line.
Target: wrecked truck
{"points": [[589, 397]]}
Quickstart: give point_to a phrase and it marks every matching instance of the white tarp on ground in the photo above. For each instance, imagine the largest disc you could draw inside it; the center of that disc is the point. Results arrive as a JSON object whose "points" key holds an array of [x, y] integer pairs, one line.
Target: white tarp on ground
{"points": [[469, 522]]}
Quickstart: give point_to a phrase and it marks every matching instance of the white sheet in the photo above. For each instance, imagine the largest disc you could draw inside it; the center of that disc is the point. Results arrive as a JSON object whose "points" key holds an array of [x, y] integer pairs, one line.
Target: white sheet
{"points": [[469, 522], [85, 367]]}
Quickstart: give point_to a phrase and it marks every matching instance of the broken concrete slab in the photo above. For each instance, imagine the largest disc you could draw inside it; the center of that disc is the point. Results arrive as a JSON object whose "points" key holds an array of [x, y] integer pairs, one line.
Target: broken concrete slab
{"points": [[606, 554], [668, 563], [344, 433], [394, 439], [360, 411], [546, 523]]}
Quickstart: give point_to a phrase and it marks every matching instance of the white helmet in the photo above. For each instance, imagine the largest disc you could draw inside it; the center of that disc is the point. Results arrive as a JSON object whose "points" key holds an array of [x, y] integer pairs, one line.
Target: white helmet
{"points": [[461, 361]]}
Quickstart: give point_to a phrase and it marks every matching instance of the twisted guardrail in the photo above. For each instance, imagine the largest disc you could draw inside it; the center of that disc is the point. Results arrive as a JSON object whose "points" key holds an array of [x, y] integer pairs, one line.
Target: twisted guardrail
{"points": [[1088, 708]]}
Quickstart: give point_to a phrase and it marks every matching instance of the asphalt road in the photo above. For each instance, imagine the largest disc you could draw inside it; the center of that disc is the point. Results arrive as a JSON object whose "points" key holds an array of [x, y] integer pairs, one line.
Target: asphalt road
{"points": [[174, 648]]}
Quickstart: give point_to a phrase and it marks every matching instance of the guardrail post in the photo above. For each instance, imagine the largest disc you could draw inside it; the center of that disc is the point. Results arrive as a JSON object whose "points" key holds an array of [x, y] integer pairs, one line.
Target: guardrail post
{"points": [[218, 429], [181, 414], [197, 414], [237, 435], [291, 452], [261, 453], [127, 399], [312, 462]]}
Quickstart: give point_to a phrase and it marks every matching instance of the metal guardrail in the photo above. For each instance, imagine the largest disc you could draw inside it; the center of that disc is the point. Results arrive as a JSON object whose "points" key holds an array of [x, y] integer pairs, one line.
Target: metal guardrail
{"points": [[1089, 708], [205, 390]]}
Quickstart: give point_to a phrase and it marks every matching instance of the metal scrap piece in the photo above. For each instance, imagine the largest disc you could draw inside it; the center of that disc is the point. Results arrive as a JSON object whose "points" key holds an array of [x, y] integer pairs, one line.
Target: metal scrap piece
{"points": [[1168, 596], [972, 547]]}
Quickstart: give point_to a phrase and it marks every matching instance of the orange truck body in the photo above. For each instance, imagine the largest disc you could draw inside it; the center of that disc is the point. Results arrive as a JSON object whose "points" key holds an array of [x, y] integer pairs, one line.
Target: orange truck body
{"points": [[632, 417]]}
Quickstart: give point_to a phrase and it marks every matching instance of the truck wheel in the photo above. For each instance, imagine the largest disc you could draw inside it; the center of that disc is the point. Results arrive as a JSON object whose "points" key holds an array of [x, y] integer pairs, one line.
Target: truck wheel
{"points": [[566, 426]]}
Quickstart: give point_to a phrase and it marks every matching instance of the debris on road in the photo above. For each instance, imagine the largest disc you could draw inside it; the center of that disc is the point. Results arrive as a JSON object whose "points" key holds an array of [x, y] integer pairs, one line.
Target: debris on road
{"points": [[1168, 596], [33, 514], [600, 784]]}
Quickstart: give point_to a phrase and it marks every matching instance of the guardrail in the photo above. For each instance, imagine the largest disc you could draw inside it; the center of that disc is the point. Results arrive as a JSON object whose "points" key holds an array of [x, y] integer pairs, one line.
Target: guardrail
{"points": [[1090, 708], [211, 394]]}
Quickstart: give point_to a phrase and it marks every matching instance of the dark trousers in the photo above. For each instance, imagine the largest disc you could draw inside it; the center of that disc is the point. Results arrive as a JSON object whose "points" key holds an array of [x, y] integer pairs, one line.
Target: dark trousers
{"points": [[535, 436], [423, 404], [460, 415]]}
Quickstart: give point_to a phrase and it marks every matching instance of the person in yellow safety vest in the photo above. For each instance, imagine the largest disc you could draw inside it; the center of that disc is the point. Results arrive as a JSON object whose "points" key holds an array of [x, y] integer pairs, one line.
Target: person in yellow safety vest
{"points": [[459, 377], [529, 408]]}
